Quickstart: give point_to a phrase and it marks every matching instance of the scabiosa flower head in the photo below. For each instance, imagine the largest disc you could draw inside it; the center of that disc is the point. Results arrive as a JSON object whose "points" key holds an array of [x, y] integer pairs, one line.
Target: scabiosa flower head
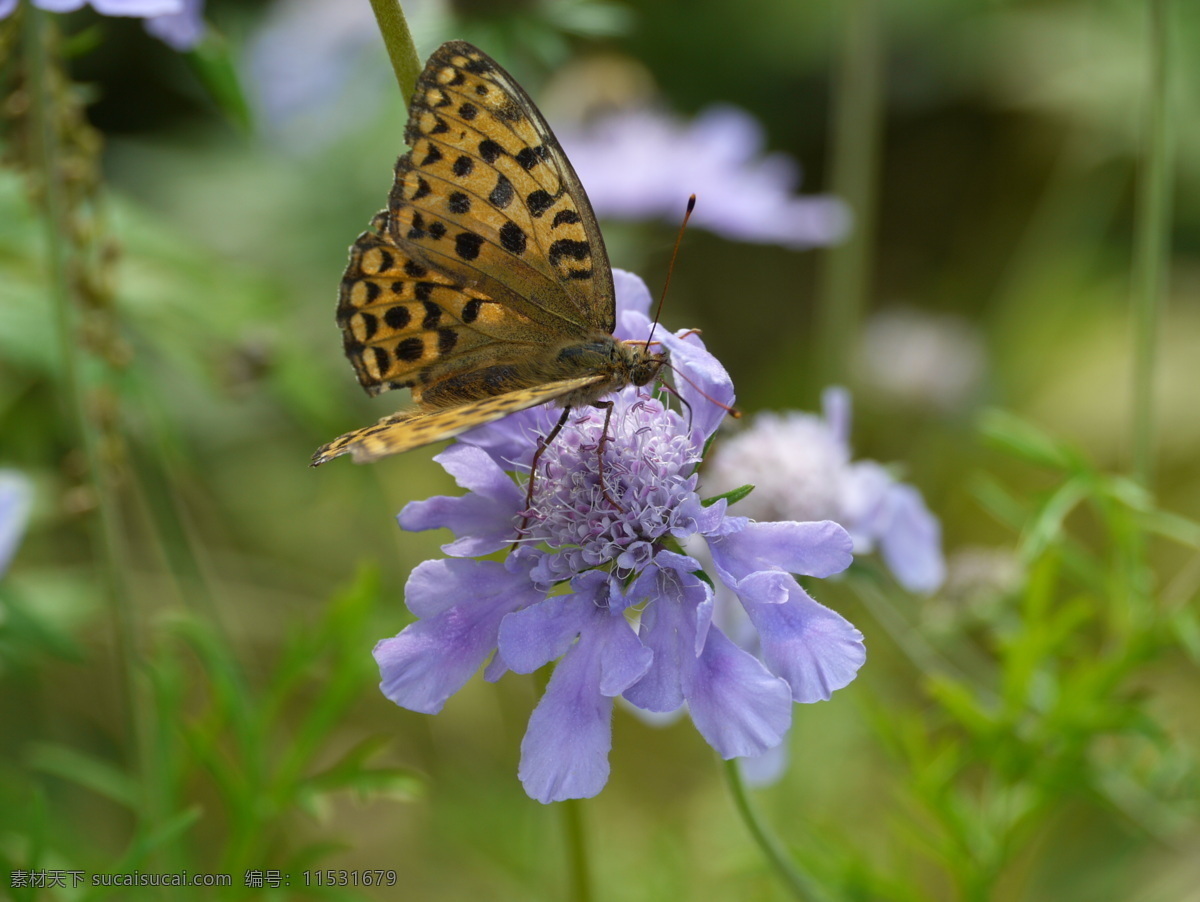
{"points": [[800, 465], [178, 23], [600, 580], [643, 164]]}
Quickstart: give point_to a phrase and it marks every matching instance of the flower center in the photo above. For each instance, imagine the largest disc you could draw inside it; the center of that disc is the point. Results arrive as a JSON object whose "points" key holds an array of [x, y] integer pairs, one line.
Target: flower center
{"points": [[593, 510]]}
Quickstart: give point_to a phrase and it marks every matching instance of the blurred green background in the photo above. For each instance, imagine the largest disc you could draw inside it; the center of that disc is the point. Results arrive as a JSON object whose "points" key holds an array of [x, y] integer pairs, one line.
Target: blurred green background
{"points": [[1029, 733]]}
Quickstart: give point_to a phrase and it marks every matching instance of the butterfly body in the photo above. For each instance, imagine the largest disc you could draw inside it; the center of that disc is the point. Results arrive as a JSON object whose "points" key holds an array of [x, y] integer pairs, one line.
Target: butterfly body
{"points": [[484, 288]]}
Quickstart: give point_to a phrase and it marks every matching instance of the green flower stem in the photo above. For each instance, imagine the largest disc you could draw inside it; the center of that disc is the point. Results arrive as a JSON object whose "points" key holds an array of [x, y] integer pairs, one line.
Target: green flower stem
{"points": [[1151, 238], [854, 152], [800, 884], [39, 39], [400, 47], [580, 872]]}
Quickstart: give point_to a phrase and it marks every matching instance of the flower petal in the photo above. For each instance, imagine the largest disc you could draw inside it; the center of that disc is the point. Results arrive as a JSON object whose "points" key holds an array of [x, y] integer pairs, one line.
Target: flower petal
{"points": [[16, 500], [564, 754], [815, 649], [542, 632], [180, 30], [669, 628], [818, 548], [632, 294], [137, 7], [912, 543], [484, 518], [735, 702], [461, 603]]}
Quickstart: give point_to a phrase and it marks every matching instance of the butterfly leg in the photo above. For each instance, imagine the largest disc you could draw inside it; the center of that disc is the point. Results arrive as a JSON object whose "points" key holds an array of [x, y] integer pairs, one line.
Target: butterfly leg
{"points": [[608, 409], [543, 444]]}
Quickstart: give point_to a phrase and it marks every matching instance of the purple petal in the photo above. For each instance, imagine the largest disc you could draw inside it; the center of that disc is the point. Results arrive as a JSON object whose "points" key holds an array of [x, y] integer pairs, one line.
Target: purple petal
{"points": [[632, 295], [16, 500], [564, 754], [765, 769], [512, 440], [542, 632], [181, 30], [703, 382], [835, 407], [436, 586], [818, 548], [484, 519], [912, 542], [815, 649], [679, 607], [735, 702], [7, 7], [461, 604], [135, 7]]}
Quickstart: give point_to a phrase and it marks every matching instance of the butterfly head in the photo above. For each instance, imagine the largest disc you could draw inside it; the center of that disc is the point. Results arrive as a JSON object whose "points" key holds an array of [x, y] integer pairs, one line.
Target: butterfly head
{"points": [[644, 364]]}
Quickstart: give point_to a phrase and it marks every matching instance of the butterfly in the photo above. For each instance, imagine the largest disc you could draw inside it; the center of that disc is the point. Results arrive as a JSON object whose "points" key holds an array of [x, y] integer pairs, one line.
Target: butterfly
{"points": [[484, 288]]}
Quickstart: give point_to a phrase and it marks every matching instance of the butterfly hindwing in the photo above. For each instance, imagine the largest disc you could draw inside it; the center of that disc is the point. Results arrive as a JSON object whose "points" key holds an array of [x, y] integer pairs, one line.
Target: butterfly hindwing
{"points": [[410, 429]]}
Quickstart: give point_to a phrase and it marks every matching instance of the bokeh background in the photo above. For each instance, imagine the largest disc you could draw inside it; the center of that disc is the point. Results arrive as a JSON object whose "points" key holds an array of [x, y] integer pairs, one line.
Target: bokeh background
{"points": [[185, 630]]}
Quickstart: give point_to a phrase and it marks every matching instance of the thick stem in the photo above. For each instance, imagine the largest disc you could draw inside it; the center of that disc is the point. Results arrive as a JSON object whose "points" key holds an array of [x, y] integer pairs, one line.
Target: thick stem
{"points": [[400, 47]]}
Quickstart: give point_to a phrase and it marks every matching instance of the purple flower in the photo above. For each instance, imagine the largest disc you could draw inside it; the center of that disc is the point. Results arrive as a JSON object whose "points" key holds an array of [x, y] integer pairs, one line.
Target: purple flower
{"points": [[16, 498], [177, 22], [800, 465], [601, 583], [641, 164]]}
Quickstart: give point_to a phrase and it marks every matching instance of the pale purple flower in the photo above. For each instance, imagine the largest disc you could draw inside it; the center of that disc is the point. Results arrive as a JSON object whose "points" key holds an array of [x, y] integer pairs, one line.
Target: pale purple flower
{"points": [[179, 23], [921, 358], [636, 618], [16, 498], [180, 30], [801, 467], [644, 164], [316, 68]]}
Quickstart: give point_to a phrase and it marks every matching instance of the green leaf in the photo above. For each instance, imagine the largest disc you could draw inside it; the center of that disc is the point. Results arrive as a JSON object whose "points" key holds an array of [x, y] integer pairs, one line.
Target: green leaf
{"points": [[732, 496], [84, 770], [1026, 441], [212, 62]]}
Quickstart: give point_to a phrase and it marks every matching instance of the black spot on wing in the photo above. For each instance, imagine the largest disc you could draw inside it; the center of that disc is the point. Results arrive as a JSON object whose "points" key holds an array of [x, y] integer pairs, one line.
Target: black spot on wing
{"points": [[504, 192], [463, 166], [397, 317], [410, 349], [512, 237], [467, 245], [490, 150], [569, 247], [539, 202]]}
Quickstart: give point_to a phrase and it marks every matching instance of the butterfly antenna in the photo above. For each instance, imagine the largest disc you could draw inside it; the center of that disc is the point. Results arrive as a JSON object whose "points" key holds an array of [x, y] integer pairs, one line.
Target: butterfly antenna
{"points": [[732, 411], [691, 205]]}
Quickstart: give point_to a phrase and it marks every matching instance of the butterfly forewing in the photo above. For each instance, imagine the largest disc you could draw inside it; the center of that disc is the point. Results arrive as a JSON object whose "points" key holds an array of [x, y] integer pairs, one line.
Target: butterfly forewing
{"points": [[487, 195], [405, 324], [484, 288], [410, 429]]}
